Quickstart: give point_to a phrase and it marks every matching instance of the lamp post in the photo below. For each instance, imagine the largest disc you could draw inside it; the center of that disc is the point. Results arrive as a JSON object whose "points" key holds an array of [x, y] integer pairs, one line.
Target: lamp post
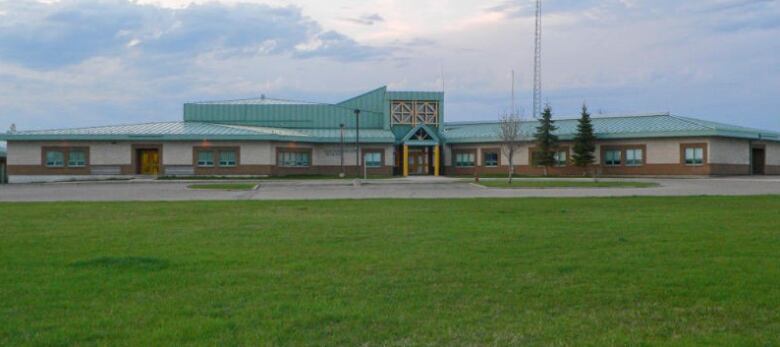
{"points": [[357, 141], [341, 149]]}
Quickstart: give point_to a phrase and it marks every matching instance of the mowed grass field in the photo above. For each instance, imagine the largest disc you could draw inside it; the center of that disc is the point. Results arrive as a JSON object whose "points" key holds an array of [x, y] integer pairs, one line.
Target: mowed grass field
{"points": [[620, 271]]}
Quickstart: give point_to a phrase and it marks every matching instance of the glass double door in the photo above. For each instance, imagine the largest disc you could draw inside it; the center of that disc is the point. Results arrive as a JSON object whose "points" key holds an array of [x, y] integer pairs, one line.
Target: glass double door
{"points": [[418, 161]]}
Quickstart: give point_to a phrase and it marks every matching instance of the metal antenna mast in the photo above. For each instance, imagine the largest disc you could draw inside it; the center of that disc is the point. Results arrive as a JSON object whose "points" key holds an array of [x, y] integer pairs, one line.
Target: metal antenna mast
{"points": [[538, 61]]}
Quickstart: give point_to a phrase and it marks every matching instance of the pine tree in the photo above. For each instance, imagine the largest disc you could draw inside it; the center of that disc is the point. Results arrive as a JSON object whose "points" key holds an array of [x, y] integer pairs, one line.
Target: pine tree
{"points": [[584, 141], [546, 141]]}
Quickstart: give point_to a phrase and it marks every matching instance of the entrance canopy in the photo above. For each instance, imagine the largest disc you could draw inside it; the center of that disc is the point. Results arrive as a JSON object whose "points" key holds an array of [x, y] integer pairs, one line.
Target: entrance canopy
{"points": [[421, 135]]}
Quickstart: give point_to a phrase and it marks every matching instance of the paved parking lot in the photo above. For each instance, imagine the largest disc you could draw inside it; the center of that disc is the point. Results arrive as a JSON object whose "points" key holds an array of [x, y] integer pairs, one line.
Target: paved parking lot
{"points": [[343, 189]]}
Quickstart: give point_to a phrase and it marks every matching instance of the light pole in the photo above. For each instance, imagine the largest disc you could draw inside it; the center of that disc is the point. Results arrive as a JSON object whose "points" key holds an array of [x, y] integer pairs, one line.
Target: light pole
{"points": [[341, 149], [357, 141]]}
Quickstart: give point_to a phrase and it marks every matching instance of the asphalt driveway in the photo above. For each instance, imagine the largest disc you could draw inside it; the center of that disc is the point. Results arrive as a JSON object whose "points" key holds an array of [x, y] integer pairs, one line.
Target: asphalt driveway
{"points": [[394, 188]]}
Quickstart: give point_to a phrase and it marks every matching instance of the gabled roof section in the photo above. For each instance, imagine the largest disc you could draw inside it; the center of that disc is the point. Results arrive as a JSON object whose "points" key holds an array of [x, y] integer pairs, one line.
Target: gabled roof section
{"points": [[370, 101], [421, 135], [279, 113], [623, 127], [256, 101], [198, 131]]}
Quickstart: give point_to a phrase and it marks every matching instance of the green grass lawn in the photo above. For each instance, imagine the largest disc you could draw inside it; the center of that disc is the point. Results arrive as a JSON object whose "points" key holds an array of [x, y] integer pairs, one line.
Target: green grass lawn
{"points": [[223, 186], [564, 184], [612, 271]]}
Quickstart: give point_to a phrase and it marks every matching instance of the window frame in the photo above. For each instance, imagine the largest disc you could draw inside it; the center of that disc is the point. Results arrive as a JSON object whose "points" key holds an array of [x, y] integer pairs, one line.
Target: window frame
{"points": [[380, 162], [486, 151], [198, 161], [216, 157], [65, 152], [77, 165], [620, 161], [219, 157], [641, 157], [470, 152], [307, 151], [684, 147], [54, 150]]}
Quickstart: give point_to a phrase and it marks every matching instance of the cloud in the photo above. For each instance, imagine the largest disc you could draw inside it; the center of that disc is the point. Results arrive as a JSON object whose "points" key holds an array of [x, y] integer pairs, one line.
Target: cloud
{"points": [[335, 45], [369, 19], [115, 61], [52, 35]]}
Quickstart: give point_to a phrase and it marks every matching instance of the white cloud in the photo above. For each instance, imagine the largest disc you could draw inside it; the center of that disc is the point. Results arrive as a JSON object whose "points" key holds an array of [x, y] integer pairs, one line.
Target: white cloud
{"points": [[134, 61]]}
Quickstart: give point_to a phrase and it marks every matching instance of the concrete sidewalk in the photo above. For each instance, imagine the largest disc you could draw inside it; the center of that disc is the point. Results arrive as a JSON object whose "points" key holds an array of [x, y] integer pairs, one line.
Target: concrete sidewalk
{"points": [[418, 187]]}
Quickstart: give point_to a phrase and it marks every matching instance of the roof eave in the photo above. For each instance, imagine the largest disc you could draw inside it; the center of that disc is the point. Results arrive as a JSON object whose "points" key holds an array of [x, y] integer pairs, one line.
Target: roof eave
{"points": [[149, 138]]}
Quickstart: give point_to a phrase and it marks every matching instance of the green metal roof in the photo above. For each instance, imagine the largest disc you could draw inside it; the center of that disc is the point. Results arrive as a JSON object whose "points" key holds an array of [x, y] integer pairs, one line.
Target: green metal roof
{"points": [[301, 116], [294, 114], [182, 131], [624, 127], [374, 106], [256, 101]]}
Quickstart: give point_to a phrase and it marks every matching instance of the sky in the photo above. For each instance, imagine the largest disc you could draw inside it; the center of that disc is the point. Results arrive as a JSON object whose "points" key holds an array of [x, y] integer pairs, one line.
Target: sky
{"points": [[90, 63]]}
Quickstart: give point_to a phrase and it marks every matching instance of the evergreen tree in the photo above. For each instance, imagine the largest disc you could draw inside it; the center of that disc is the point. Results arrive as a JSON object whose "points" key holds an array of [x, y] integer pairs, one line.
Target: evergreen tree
{"points": [[546, 141], [584, 141]]}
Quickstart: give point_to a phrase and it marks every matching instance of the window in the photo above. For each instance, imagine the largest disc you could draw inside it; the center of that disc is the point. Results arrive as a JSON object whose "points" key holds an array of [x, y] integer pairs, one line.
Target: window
{"points": [[464, 159], [560, 158], [426, 112], [55, 158], [612, 157], [227, 158], [77, 158], [694, 155], [205, 158], [294, 159], [414, 112], [402, 112], [490, 159], [634, 157], [372, 159]]}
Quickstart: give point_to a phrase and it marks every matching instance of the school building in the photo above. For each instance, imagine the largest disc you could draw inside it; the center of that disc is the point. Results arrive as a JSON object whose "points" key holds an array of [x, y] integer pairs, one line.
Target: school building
{"points": [[398, 133]]}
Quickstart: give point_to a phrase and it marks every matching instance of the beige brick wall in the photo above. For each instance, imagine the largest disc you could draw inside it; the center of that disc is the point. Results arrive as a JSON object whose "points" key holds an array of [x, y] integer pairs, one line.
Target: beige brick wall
{"points": [[24, 153], [178, 153], [252, 153], [773, 153], [106, 153], [100, 153], [330, 155], [729, 151], [659, 151]]}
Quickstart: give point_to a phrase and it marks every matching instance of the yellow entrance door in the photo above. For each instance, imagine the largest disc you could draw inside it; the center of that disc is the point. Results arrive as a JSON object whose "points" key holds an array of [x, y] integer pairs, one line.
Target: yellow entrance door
{"points": [[150, 162]]}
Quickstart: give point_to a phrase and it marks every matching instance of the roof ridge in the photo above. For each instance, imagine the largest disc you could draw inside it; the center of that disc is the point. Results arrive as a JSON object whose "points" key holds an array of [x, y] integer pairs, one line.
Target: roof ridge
{"points": [[261, 97], [617, 115], [360, 95], [562, 118], [102, 126]]}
